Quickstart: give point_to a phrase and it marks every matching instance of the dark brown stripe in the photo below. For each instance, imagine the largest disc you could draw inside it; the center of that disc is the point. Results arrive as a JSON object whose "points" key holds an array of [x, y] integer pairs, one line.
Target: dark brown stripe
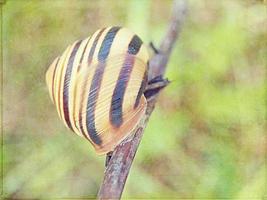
{"points": [[59, 84], [107, 42], [96, 84], [135, 45], [91, 103], [92, 50], [119, 91], [75, 87], [80, 62], [53, 80], [67, 79], [141, 90], [90, 57]]}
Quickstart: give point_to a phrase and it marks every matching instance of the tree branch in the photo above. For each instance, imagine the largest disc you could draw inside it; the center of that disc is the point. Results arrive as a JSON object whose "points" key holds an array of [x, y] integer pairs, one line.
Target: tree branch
{"points": [[120, 163]]}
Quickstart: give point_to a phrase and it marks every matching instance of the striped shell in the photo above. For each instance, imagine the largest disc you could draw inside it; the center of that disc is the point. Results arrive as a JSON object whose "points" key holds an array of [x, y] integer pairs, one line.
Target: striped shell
{"points": [[97, 86]]}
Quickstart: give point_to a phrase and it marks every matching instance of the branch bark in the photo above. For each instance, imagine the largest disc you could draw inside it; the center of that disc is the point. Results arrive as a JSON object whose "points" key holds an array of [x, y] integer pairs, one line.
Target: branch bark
{"points": [[120, 163]]}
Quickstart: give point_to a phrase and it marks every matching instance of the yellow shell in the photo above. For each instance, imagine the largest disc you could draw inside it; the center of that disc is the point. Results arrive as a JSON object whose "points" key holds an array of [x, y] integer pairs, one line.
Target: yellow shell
{"points": [[97, 86]]}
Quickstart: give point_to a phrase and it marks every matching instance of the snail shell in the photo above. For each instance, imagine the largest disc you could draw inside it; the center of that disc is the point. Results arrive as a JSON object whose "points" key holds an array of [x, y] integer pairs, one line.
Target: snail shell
{"points": [[97, 86]]}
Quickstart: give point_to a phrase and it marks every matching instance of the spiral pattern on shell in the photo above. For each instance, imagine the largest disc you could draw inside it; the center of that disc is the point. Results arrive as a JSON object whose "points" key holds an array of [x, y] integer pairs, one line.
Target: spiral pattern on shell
{"points": [[97, 86]]}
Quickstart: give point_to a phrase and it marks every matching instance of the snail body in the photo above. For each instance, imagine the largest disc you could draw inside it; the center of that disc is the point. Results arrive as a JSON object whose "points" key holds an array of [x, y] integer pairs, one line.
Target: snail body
{"points": [[98, 84]]}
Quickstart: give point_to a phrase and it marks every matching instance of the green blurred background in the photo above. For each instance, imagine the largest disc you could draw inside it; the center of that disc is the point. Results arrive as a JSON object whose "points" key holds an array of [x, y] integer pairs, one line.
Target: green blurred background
{"points": [[206, 138]]}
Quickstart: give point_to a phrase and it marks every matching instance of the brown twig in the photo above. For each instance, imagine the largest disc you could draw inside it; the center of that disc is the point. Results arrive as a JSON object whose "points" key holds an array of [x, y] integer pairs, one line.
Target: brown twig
{"points": [[120, 163]]}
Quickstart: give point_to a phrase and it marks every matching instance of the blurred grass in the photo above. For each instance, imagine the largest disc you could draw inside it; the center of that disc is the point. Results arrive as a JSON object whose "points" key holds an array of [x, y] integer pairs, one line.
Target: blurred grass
{"points": [[206, 138]]}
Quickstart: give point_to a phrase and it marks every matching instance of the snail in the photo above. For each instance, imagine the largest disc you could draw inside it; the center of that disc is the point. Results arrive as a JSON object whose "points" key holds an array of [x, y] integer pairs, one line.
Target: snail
{"points": [[98, 84]]}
